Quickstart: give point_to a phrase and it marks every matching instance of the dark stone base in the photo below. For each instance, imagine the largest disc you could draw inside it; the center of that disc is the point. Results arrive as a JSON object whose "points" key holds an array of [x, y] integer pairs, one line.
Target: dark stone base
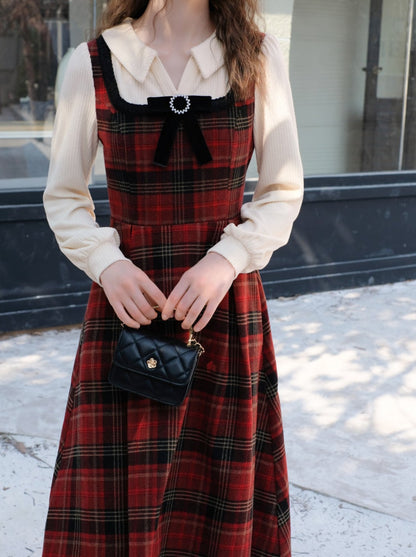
{"points": [[353, 230]]}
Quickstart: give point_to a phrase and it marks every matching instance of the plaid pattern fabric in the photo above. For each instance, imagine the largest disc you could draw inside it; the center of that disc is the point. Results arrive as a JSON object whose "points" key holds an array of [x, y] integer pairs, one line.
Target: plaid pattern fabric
{"points": [[133, 477]]}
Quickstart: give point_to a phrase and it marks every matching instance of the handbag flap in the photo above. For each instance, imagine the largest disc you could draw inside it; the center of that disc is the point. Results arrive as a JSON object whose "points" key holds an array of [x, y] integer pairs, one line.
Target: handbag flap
{"points": [[162, 358]]}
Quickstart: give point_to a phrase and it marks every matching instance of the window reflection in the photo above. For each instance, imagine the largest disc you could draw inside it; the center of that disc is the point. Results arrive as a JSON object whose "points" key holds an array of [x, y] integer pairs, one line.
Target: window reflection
{"points": [[352, 66], [36, 35], [353, 70], [34, 39]]}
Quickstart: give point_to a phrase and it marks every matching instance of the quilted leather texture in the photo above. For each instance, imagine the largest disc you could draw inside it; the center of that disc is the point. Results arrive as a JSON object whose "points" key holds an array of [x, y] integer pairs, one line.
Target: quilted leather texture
{"points": [[157, 368]]}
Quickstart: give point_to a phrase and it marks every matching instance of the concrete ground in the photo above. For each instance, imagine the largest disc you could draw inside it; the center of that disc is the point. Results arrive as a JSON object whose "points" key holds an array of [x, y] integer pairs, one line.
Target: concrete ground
{"points": [[347, 366]]}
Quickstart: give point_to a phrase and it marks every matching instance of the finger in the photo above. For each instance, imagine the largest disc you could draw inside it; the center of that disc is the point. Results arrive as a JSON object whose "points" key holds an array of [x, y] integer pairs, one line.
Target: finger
{"points": [[206, 316], [185, 304], [135, 312], [173, 299], [153, 304], [193, 313], [144, 306], [153, 294], [125, 317]]}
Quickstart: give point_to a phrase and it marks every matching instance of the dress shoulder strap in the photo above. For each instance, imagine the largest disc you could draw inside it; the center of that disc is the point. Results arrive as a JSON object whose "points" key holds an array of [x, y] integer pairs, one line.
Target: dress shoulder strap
{"points": [[101, 94]]}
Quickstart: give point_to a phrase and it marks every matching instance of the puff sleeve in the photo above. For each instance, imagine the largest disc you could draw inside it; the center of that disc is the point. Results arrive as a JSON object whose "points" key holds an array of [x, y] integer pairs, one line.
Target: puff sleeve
{"points": [[67, 200], [268, 218]]}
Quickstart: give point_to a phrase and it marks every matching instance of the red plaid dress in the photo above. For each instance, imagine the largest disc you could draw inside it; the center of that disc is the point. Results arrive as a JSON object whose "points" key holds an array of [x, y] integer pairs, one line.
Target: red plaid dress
{"points": [[136, 478]]}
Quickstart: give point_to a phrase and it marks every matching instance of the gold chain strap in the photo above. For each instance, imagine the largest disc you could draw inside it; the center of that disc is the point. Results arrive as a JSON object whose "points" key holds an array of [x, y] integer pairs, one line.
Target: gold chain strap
{"points": [[193, 343]]}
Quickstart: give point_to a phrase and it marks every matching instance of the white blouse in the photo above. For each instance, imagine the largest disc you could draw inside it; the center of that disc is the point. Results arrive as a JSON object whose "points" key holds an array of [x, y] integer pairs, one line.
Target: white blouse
{"points": [[267, 219]]}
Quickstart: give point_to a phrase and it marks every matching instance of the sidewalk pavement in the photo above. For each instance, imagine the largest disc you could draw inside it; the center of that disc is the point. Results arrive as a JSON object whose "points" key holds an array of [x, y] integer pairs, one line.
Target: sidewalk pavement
{"points": [[347, 367]]}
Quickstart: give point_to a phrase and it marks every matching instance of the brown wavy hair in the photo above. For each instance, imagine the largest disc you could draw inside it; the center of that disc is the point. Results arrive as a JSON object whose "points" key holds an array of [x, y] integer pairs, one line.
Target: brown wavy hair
{"points": [[236, 29]]}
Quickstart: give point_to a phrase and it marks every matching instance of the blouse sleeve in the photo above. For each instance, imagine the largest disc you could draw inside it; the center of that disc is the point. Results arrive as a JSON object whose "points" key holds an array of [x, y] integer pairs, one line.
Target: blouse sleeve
{"points": [[67, 200], [268, 218]]}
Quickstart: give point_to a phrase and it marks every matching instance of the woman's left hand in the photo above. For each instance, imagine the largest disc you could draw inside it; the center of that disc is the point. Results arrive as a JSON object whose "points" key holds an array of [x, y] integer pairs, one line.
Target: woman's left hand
{"points": [[200, 289]]}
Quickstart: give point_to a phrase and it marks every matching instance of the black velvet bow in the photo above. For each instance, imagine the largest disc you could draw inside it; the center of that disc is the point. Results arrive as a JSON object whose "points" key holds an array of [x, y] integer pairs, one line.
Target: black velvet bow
{"points": [[181, 108]]}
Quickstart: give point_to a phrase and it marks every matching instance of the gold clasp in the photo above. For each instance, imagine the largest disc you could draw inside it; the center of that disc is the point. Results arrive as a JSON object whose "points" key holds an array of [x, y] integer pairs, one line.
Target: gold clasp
{"points": [[193, 343], [151, 363]]}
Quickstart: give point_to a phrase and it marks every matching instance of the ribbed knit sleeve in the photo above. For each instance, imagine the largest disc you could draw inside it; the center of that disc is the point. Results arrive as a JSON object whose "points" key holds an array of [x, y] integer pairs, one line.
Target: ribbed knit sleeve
{"points": [[268, 218], [67, 200]]}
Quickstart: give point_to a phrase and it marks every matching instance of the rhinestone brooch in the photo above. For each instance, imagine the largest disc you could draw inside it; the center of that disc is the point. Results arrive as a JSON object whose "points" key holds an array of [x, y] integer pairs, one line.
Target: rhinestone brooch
{"points": [[180, 110]]}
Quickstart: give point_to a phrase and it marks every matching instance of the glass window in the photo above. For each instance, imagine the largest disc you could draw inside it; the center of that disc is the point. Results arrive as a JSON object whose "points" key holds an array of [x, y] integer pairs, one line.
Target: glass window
{"points": [[352, 67], [36, 40]]}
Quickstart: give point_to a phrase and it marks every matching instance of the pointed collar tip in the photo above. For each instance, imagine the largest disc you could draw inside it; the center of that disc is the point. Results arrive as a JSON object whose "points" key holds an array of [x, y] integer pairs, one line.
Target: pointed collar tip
{"points": [[209, 56], [135, 56]]}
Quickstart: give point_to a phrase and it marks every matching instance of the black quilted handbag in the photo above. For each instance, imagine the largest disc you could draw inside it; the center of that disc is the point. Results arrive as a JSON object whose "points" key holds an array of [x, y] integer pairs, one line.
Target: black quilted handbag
{"points": [[155, 367]]}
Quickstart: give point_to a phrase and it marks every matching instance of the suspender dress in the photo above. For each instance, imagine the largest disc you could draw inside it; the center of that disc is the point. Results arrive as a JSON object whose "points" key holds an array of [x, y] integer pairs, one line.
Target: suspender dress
{"points": [[133, 477]]}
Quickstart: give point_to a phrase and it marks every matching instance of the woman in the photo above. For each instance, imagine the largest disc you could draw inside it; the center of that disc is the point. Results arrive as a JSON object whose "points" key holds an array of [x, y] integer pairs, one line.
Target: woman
{"points": [[179, 94]]}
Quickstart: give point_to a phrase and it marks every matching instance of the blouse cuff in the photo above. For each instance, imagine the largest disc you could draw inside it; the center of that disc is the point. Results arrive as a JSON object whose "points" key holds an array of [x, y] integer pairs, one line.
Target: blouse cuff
{"points": [[102, 257], [234, 251]]}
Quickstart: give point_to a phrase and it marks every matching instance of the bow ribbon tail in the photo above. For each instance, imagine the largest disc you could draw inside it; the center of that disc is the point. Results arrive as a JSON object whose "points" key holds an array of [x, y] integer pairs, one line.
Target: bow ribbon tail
{"points": [[197, 139], [166, 139]]}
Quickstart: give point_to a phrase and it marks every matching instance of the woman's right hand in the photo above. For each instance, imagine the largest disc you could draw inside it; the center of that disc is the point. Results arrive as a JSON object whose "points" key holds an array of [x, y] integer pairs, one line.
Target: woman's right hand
{"points": [[131, 293]]}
